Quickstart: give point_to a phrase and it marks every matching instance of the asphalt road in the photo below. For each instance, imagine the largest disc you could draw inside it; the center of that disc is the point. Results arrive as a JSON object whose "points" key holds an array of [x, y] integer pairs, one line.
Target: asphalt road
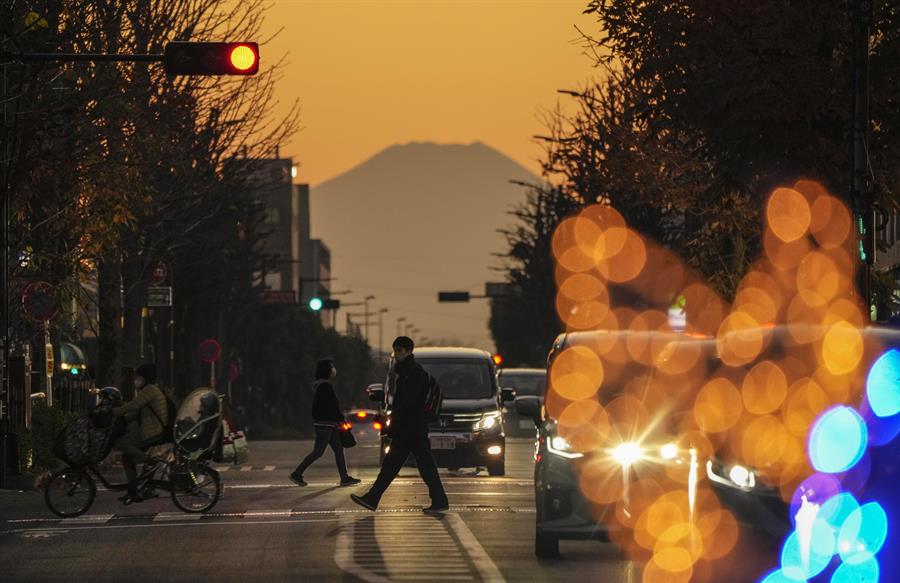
{"points": [[267, 529]]}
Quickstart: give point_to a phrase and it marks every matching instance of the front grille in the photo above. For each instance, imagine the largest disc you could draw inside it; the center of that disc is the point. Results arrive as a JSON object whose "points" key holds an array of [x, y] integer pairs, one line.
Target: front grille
{"points": [[458, 421]]}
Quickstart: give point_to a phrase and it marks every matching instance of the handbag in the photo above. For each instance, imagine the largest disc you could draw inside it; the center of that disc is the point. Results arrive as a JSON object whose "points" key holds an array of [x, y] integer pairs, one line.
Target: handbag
{"points": [[347, 439]]}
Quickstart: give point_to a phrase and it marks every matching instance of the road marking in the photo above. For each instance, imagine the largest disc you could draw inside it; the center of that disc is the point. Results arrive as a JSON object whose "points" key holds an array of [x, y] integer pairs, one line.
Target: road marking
{"points": [[392, 547], [486, 567], [246, 468], [268, 468], [53, 531], [87, 519], [455, 482], [169, 516], [41, 533], [417, 529]]}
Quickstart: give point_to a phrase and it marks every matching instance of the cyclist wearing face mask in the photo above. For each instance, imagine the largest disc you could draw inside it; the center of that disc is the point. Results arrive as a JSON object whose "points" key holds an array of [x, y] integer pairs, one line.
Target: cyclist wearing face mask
{"points": [[147, 417]]}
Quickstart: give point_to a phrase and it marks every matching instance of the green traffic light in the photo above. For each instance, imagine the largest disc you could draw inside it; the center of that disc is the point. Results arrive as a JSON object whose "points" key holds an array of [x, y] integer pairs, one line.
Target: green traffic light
{"points": [[315, 304]]}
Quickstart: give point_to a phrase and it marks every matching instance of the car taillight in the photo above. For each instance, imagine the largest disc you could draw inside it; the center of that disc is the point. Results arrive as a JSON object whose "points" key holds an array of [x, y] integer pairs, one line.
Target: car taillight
{"points": [[362, 414], [377, 425], [346, 426]]}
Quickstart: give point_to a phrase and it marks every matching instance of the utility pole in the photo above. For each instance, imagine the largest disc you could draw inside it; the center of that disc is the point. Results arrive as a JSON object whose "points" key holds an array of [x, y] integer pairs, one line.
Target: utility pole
{"points": [[366, 322], [860, 191], [399, 323]]}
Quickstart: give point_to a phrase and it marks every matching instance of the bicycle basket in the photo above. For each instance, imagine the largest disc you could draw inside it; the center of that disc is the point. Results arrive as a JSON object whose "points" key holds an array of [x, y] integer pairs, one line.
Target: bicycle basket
{"points": [[81, 442]]}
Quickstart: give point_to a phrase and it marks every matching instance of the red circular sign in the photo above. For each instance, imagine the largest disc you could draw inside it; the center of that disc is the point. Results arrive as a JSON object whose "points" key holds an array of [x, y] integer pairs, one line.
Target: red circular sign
{"points": [[39, 302], [209, 350], [234, 371], [159, 273]]}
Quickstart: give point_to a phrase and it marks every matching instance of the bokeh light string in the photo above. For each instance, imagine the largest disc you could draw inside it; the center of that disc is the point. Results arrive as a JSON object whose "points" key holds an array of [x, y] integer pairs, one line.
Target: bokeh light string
{"points": [[769, 383]]}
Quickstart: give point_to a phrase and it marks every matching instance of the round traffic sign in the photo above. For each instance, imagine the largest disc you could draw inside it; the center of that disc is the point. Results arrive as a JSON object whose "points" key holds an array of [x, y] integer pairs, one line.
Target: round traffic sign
{"points": [[39, 302], [209, 350], [159, 273], [234, 371]]}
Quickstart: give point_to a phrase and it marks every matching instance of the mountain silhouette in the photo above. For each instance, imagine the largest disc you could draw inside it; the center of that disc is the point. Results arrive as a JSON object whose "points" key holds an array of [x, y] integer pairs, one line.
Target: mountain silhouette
{"points": [[418, 218]]}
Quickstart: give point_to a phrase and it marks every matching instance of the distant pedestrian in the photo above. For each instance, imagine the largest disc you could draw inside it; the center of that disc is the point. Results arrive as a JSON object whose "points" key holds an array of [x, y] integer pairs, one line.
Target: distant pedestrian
{"points": [[327, 418], [408, 431]]}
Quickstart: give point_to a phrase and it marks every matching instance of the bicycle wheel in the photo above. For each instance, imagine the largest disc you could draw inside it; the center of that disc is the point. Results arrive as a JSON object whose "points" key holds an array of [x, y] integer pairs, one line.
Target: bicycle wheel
{"points": [[202, 491], [70, 492]]}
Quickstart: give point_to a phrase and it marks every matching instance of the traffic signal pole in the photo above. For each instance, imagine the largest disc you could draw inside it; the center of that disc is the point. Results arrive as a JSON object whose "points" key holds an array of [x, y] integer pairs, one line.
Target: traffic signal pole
{"points": [[860, 191], [179, 58]]}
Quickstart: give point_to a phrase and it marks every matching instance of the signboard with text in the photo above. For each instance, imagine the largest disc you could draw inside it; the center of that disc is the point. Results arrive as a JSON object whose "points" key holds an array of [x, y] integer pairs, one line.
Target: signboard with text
{"points": [[159, 296]]}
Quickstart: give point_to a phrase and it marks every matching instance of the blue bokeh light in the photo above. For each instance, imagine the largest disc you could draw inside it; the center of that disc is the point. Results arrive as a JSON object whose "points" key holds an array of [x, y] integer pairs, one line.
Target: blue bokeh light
{"points": [[779, 576], [838, 440], [863, 533], [865, 572], [819, 553], [883, 384], [836, 510]]}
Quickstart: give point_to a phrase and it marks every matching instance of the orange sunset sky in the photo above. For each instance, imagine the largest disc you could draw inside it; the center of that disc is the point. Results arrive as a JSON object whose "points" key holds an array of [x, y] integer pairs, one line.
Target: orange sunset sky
{"points": [[372, 73]]}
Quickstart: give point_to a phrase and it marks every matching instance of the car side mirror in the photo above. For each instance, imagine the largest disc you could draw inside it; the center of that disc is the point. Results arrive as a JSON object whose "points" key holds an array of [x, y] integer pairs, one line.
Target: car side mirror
{"points": [[507, 394], [529, 406], [376, 393]]}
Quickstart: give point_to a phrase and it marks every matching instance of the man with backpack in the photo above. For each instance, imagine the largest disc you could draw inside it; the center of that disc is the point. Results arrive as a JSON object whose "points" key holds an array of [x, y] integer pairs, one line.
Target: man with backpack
{"points": [[408, 430], [148, 416]]}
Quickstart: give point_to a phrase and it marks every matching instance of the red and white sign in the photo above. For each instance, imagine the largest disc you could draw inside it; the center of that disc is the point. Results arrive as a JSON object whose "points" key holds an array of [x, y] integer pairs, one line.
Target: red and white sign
{"points": [[159, 273], [39, 301], [209, 350]]}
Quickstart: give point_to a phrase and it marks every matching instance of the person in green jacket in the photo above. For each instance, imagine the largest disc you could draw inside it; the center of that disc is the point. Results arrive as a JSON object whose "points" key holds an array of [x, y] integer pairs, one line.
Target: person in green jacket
{"points": [[147, 418]]}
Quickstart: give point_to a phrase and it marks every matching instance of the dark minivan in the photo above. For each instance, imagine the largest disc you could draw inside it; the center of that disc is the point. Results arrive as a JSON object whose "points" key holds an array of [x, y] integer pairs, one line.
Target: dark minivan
{"points": [[525, 382]]}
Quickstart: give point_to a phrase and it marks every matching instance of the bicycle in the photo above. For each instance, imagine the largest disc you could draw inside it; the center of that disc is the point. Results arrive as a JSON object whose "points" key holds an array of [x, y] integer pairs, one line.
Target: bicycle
{"points": [[193, 485]]}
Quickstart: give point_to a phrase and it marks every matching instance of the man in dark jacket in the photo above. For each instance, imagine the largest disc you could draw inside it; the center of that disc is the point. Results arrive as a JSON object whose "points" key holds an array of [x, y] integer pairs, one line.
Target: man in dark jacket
{"points": [[327, 418], [408, 431]]}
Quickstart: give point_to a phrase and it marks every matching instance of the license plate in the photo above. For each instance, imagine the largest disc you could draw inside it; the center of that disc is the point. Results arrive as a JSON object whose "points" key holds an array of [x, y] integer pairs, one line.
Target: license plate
{"points": [[526, 424], [443, 442]]}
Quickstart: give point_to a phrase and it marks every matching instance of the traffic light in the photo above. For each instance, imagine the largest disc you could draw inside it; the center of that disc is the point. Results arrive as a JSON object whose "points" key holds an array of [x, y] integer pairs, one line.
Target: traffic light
{"points": [[867, 237], [318, 304], [453, 296], [217, 58]]}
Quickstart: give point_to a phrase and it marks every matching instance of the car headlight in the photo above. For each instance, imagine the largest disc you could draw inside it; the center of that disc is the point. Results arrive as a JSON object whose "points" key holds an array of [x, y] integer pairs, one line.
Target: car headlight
{"points": [[738, 476], [487, 421], [669, 451], [559, 446], [627, 453]]}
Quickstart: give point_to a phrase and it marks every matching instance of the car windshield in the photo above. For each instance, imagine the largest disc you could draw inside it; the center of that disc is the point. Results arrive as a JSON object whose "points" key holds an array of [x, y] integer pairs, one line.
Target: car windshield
{"points": [[524, 384], [461, 378]]}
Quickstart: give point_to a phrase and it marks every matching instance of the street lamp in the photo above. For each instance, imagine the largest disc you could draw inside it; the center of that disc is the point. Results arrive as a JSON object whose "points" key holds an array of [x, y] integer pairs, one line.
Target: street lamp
{"points": [[381, 314], [399, 322]]}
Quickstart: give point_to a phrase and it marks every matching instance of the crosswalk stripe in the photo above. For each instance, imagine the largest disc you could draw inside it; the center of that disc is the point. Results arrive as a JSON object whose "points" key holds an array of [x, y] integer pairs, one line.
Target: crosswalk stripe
{"points": [[87, 519]]}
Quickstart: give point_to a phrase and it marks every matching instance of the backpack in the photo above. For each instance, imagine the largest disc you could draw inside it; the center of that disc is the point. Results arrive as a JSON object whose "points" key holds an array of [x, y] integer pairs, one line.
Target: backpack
{"points": [[434, 398], [171, 413]]}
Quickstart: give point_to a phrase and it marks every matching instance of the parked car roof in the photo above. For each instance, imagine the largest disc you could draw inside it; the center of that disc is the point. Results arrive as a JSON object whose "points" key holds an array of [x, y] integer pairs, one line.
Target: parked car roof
{"points": [[451, 352]]}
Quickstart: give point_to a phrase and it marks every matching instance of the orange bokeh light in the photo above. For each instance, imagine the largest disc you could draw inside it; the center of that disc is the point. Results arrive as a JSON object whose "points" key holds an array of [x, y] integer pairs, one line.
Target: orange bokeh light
{"points": [[788, 214]]}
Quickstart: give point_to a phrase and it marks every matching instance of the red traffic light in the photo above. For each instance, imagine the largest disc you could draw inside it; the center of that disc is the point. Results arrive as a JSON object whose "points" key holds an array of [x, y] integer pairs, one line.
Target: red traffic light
{"points": [[218, 58], [243, 58]]}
